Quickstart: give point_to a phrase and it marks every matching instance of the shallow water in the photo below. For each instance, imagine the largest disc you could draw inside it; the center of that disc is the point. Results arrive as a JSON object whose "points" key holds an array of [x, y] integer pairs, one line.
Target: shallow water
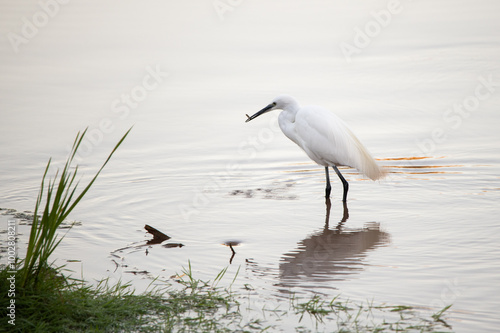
{"points": [[192, 168]]}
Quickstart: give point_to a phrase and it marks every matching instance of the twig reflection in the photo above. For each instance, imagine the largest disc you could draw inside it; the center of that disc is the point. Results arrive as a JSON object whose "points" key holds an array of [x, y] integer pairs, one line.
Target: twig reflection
{"points": [[233, 252]]}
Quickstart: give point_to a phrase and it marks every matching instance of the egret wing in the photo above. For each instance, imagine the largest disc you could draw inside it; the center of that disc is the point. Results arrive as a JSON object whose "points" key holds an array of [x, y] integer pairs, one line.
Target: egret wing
{"points": [[327, 140]]}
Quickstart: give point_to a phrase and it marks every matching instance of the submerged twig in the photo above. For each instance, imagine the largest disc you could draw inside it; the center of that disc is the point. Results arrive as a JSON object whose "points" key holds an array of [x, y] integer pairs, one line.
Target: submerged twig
{"points": [[158, 236], [234, 252]]}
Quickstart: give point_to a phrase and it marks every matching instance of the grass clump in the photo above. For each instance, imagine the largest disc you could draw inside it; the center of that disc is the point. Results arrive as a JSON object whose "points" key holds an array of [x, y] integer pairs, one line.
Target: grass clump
{"points": [[193, 305], [70, 307], [60, 200], [73, 306], [359, 317]]}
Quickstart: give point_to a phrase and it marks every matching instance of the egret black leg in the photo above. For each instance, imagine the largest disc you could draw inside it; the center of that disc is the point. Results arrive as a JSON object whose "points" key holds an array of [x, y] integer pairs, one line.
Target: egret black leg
{"points": [[344, 182], [328, 186]]}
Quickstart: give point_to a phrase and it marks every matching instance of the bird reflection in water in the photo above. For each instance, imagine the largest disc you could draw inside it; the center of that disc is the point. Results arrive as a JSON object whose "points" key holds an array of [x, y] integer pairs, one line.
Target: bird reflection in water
{"points": [[331, 254]]}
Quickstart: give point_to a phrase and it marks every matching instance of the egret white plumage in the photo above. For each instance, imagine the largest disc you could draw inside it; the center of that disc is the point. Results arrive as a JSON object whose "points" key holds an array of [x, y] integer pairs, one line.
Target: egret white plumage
{"points": [[324, 137]]}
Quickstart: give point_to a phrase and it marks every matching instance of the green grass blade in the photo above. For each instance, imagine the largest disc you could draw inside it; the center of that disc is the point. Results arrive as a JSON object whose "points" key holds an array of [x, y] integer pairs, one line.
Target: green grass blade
{"points": [[60, 200]]}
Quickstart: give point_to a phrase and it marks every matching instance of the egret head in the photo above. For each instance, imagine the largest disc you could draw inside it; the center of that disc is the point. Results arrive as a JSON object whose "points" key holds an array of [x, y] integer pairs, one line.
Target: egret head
{"points": [[282, 102]]}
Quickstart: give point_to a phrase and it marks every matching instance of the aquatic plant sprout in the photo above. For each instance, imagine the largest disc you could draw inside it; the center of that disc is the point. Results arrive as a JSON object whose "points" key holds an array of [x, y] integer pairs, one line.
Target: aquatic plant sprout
{"points": [[60, 200]]}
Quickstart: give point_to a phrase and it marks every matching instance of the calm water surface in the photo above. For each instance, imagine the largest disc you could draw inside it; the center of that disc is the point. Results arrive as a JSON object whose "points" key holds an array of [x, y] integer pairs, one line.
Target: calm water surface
{"points": [[423, 96]]}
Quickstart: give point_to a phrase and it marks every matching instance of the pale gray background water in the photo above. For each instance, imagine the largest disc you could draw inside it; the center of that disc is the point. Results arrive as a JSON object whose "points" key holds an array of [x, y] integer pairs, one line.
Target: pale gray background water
{"points": [[427, 235]]}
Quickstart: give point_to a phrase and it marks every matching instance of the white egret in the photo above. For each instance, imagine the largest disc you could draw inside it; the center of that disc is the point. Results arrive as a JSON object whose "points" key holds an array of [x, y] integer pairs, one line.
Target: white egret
{"points": [[324, 137]]}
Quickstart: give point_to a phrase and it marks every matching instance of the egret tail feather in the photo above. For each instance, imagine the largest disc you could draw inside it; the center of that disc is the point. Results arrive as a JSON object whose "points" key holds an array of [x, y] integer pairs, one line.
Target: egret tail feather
{"points": [[366, 164]]}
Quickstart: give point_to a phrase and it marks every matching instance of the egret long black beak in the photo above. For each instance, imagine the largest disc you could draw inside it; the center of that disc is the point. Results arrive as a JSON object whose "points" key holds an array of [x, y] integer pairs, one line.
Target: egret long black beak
{"points": [[264, 110]]}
